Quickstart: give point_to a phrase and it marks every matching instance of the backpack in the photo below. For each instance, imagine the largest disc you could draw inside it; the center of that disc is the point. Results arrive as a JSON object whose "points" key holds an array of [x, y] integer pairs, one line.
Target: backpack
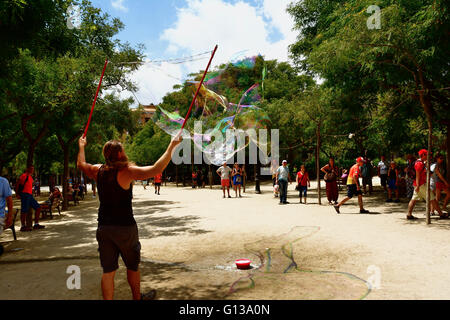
{"points": [[20, 187]]}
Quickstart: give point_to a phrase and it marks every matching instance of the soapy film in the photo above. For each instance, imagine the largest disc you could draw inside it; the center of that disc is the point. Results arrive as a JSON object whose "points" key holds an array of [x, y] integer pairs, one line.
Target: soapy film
{"points": [[223, 123]]}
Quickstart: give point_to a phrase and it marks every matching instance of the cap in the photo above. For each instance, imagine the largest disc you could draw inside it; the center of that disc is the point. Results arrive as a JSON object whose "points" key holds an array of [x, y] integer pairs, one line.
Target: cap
{"points": [[360, 159], [284, 161], [423, 152]]}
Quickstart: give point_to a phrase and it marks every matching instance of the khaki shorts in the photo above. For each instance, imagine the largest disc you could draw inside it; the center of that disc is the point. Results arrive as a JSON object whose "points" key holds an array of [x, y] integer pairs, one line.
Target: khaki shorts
{"points": [[422, 194]]}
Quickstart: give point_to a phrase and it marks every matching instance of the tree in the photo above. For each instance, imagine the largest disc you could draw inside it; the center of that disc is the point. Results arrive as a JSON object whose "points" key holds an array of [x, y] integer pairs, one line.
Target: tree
{"points": [[408, 55]]}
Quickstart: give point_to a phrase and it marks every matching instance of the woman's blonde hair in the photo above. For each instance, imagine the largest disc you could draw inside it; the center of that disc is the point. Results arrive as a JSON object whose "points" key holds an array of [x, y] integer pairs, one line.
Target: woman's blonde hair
{"points": [[115, 156]]}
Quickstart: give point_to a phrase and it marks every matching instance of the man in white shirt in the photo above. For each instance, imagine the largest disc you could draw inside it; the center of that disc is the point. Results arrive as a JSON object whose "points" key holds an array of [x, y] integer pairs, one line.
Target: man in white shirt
{"points": [[224, 172], [383, 172], [282, 179]]}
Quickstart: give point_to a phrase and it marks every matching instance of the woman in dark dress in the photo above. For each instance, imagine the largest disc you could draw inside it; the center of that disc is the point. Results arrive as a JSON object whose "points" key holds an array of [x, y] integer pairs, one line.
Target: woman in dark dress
{"points": [[331, 174]]}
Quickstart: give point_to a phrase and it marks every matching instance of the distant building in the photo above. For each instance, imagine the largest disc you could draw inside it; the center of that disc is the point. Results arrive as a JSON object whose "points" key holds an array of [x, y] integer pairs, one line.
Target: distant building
{"points": [[147, 113]]}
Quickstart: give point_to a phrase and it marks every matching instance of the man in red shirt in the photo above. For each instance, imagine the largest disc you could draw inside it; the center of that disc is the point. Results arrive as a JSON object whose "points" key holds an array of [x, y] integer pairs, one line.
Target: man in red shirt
{"points": [[421, 187], [28, 202], [158, 181], [353, 187]]}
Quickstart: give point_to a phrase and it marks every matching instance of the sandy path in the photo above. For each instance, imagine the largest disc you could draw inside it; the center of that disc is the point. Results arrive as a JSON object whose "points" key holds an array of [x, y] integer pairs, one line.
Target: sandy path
{"points": [[190, 239]]}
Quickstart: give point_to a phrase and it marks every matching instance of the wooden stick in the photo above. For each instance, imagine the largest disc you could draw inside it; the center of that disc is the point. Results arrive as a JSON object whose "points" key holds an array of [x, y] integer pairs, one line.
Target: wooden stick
{"points": [[95, 99], [199, 87]]}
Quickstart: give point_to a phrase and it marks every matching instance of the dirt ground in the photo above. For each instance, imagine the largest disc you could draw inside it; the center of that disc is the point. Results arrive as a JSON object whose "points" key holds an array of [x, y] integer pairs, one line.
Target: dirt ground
{"points": [[191, 238]]}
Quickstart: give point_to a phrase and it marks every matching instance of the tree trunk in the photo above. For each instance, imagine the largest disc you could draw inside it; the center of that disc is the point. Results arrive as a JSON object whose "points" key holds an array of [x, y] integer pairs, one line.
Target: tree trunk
{"points": [[319, 196], [430, 131], [448, 151], [64, 178], [30, 155]]}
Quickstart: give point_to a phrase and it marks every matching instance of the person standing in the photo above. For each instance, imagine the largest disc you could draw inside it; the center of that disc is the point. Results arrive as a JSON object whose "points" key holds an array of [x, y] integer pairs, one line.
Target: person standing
{"points": [[331, 174], [237, 179], [225, 172], [282, 179], [366, 173], [117, 232], [94, 188], [353, 187], [28, 202], [244, 177], [382, 172], [194, 179], [421, 187], [273, 170], [393, 182], [441, 183], [6, 200], [158, 181], [410, 173], [302, 180]]}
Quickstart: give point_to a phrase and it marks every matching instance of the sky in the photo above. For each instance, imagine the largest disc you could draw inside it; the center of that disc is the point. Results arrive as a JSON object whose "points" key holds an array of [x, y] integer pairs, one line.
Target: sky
{"points": [[179, 28]]}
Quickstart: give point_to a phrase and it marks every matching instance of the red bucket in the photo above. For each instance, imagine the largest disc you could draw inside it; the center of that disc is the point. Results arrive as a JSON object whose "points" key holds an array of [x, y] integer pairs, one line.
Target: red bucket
{"points": [[243, 264]]}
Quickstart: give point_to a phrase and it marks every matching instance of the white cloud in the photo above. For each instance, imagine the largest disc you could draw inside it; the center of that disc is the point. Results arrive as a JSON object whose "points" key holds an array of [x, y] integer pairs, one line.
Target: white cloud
{"points": [[118, 4], [234, 27]]}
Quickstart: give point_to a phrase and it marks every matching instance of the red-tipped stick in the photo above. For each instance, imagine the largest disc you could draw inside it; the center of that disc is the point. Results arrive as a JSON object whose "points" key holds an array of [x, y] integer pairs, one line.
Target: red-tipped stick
{"points": [[199, 87], [95, 99]]}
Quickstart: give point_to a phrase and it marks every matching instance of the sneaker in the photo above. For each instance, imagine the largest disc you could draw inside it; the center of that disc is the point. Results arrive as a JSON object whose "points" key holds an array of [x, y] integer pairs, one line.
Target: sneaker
{"points": [[286, 202], [411, 218], [364, 211], [336, 208], [37, 226], [151, 295]]}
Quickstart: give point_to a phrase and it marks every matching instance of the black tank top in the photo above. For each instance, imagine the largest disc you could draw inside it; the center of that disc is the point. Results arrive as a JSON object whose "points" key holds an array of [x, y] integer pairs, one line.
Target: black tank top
{"points": [[115, 202]]}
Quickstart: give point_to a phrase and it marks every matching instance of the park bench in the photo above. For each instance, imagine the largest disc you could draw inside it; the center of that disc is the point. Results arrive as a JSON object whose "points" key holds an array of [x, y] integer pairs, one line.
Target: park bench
{"points": [[47, 208]]}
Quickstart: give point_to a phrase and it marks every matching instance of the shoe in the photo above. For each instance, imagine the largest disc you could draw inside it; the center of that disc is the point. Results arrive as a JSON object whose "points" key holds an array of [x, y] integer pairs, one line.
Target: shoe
{"points": [[25, 229], [37, 226], [229, 197], [286, 202], [397, 201], [151, 295], [389, 200], [364, 211], [411, 218], [336, 208]]}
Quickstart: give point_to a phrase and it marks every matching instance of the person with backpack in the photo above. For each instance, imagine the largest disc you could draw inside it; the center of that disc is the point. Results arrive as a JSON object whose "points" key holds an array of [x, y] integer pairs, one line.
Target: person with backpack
{"points": [[24, 191], [421, 187]]}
